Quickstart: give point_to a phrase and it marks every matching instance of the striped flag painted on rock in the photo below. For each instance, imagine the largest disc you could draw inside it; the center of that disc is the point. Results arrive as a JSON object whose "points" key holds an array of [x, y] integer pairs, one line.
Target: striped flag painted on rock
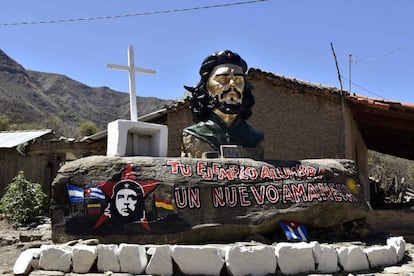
{"points": [[75, 193], [294, 231], [94, 192]]}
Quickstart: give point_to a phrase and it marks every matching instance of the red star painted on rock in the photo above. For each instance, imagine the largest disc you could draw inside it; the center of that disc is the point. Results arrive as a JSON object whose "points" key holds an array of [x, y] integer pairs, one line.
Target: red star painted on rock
{"points": [[128, 174]]}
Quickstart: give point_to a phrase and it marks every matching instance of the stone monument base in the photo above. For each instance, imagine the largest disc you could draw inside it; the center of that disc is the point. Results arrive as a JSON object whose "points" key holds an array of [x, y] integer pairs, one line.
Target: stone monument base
{"points": [[193, 201], [212, 259]]}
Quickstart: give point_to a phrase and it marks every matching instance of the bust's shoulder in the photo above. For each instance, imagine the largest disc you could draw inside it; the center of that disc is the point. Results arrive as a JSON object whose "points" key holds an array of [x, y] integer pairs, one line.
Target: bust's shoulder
{"points": [[206, 127]]}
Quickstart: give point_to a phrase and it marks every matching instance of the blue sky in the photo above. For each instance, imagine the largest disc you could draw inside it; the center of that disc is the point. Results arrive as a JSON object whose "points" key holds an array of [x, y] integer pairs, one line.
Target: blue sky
{"points": [[288, 37]]}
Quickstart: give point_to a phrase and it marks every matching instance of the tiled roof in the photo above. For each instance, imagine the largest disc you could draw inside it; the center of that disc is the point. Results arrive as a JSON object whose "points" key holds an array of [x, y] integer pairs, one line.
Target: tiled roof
{"points": [[387, 126], [255, 73], [382, 104]]}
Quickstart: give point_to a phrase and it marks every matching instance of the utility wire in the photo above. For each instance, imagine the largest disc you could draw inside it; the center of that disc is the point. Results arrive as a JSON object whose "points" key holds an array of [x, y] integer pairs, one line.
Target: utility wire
{"points": [[128, 15], [365, 89], [379, 58]]}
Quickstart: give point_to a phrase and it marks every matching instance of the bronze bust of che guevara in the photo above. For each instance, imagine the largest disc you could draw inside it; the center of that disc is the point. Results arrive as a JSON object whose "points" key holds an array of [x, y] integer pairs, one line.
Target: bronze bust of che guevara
{"points": [[221, 103]]}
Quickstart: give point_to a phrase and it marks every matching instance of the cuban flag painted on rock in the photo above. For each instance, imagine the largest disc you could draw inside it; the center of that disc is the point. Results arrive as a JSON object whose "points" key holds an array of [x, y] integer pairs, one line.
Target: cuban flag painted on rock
{"points": [[94, 192], [75, 193], [294, 231]]}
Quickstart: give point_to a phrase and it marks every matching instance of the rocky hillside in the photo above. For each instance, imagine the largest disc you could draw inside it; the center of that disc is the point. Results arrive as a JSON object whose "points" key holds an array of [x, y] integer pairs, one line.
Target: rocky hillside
{"points": [[32, 99]]}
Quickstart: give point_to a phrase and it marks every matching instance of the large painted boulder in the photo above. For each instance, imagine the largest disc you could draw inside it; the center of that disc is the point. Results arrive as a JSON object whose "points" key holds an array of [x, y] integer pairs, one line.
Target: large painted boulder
{"points": [[187, 200]]}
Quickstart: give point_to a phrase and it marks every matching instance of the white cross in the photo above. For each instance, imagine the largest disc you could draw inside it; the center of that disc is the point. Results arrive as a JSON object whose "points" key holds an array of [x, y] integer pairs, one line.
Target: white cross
{"points": [[132, 70]]}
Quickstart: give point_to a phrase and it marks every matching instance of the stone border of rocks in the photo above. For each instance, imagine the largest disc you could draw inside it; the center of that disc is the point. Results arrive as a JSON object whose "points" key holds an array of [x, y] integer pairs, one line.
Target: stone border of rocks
{"points": [[212, 259]]}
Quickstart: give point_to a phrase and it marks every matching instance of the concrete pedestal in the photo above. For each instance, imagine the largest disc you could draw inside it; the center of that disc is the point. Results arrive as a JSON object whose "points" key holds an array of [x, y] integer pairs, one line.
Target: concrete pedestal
{"points": [[129, 138]]}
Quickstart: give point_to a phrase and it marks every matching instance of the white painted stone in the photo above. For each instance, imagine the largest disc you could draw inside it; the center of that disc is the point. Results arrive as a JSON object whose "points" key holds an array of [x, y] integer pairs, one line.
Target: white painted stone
{"points": [[35, 261], [328, 261], [23, 264], [198, 260], [160, 262], [295, 258], [381, 255], [399, 244], [84, 256], [316, 250], [132, 258], [129, 138], [48, 273], [108, 258], [352, 258], [251, 260], [53, 257]]}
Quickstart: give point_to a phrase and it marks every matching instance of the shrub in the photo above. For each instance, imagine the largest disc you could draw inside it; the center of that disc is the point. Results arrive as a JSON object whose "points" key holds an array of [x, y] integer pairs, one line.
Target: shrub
{"points": [[23, 201], [88, 128]]}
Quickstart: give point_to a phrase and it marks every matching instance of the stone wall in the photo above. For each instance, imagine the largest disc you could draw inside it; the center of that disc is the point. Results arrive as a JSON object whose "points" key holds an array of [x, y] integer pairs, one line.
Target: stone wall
{"points": [[229, 259]]}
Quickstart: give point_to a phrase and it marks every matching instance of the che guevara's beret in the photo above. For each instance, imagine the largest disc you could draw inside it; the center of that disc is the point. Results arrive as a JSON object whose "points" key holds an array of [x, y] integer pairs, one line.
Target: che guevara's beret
{"points": [[221, 57]]}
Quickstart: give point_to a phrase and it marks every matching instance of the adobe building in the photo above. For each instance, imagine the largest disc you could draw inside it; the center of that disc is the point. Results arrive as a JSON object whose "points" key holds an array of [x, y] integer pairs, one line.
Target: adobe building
{"points": [[39, 154], [303, 120]]}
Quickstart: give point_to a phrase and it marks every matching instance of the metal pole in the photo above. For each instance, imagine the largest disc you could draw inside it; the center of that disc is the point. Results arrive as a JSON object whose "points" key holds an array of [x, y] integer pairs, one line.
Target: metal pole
{"points": [[350, 64]]}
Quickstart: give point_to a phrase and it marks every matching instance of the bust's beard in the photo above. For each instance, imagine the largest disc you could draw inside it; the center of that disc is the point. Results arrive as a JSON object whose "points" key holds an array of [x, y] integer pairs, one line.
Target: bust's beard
{"points": [[227, 106]]}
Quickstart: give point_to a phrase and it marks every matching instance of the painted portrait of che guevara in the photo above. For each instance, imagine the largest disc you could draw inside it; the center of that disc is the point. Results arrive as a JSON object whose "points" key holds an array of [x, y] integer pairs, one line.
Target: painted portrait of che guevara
{"points": [[127, 202], [220, 103]]}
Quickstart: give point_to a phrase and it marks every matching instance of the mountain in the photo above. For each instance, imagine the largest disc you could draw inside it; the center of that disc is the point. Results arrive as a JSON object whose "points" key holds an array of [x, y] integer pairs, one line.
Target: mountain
{"points": [[48, 100]]}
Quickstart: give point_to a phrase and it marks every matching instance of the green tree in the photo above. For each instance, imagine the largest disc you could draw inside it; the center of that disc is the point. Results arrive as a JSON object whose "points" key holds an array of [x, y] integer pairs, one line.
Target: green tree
{"points": [[23, 200], [87, 128], [56, 124]]}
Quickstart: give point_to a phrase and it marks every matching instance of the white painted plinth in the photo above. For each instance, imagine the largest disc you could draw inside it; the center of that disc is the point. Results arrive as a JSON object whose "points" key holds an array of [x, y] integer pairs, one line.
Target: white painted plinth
{"points": [[84, 256], [197, 260], [23, 264], [130, 138], [56, 258], [381, 255], [132, 258], [328, 262], [160, 262], [294, 258], [108, 258], [352, 258], [239, 259], [251, 260], [399, 244]]}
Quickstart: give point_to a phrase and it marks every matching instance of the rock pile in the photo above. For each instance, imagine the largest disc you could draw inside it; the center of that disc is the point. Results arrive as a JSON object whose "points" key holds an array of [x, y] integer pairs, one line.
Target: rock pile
{"points": [[213, 259]]}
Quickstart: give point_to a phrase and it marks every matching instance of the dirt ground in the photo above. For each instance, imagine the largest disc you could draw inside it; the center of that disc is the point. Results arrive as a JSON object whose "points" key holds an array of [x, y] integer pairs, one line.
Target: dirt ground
{"points": [[14, 240]]}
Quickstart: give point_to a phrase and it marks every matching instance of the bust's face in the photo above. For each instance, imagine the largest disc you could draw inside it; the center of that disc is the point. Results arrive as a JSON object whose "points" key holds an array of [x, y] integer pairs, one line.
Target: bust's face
{"points": [[226, 83]]}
